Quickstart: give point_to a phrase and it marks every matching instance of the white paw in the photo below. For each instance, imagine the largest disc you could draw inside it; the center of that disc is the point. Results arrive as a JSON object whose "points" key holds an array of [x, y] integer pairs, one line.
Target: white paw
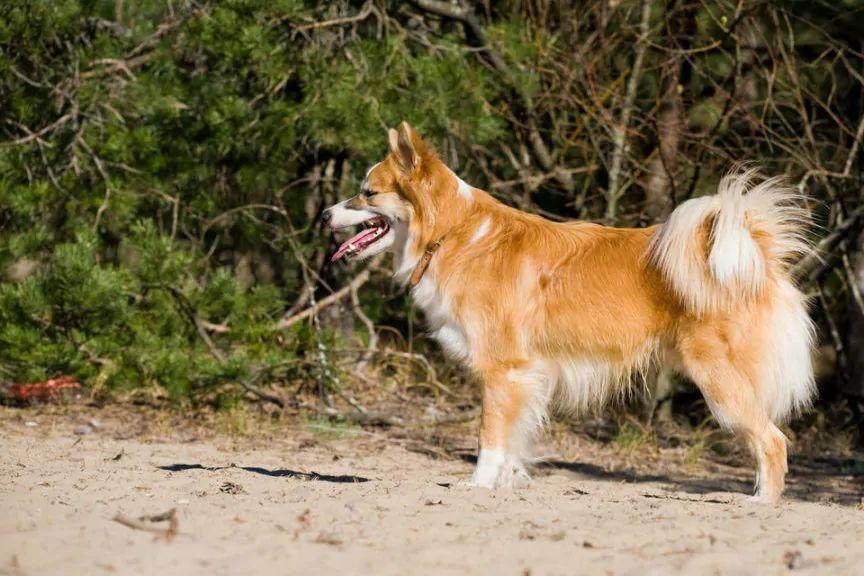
{"points": [[513, 475], [468, 483], [495, 469]]}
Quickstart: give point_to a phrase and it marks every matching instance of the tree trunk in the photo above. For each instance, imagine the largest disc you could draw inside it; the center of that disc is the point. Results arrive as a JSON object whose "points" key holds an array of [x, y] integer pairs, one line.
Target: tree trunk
{"points": [[853, 383], [662, 168]]}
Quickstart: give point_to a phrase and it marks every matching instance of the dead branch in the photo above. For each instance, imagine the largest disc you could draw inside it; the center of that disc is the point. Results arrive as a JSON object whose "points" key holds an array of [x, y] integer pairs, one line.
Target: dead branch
{"points": [[825, 255], [249, 387], [215, 328], [431, 374], [362, 15], [619, 132], [145, 523], [355, 283], [217, 219], [390, 419], [853, 152], [100, 167], [477, 38], [161, 30], [188, 310], [110, 66], [370, 328], [31, 136]]}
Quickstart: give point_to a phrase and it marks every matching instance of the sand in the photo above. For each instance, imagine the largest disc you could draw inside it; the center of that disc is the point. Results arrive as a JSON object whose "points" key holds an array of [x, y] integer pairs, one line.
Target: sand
{"points": [[365, 504]]}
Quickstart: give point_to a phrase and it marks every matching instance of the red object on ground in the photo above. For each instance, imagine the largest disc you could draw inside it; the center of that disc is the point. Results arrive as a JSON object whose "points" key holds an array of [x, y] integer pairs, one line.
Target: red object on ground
{"points": [[43, 391]]}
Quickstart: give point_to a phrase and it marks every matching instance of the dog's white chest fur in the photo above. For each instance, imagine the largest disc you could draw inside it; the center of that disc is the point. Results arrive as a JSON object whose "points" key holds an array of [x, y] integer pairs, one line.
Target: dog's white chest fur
{"points": [[442, 325]]}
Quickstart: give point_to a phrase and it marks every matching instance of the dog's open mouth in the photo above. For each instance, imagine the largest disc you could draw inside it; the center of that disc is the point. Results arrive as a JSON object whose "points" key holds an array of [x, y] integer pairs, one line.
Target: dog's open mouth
{"points": [[375, 229]]}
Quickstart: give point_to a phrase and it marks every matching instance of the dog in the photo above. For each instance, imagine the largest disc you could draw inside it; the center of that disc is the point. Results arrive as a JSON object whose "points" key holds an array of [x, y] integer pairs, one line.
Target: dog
{"points": [[567, 313]]}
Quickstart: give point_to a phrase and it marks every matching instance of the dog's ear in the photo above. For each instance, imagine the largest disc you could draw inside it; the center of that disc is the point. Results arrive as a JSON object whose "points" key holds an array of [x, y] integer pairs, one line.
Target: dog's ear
{"points": [[407, 146]]}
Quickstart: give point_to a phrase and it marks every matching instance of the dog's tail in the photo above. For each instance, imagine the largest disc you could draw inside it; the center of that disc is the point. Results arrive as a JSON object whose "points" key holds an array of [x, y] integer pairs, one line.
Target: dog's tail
{"points": [[719, 252]]}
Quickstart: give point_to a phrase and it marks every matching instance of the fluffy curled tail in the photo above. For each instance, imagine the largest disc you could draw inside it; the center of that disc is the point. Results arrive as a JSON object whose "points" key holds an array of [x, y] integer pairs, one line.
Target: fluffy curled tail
{"points": [[719, 252]]}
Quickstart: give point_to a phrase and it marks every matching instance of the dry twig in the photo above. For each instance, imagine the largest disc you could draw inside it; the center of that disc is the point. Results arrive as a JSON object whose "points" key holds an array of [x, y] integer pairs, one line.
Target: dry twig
{"points": [[362, 15], [145, 524], [619, 133]]}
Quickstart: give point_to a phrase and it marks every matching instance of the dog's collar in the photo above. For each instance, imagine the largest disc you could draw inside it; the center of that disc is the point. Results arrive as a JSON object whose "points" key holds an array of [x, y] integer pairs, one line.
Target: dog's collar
{"points": [[423, 264]]}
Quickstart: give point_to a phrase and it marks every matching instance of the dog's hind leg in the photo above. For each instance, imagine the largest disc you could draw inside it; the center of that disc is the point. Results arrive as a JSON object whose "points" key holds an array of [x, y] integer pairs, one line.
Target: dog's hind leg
{"points": [[733, 394], [515, 398]]}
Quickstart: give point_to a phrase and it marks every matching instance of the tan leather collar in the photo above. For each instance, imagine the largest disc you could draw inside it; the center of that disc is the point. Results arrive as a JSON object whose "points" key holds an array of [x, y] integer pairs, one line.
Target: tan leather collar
{"points": [[423, 264]]}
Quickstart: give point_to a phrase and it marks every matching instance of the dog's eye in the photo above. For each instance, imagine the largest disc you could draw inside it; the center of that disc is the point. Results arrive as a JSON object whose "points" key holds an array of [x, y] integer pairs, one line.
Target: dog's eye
{"points": [[368, 193]]}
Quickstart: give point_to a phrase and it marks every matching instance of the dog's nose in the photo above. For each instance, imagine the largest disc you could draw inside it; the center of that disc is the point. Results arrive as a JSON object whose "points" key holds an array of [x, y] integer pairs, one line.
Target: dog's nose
{"points": [[326, 217]]}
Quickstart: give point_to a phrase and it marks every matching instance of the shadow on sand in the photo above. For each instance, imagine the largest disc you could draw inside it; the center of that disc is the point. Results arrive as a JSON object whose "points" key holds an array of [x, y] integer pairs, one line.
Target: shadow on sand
{"points": [[280, 473], [837, 480], [811, 478]]}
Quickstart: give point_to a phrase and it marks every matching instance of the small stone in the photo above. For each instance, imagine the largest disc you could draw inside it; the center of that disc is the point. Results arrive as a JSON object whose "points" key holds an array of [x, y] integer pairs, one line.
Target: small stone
{"points": [[232, 488], [793, 559], [31, 424], [83, 429]]}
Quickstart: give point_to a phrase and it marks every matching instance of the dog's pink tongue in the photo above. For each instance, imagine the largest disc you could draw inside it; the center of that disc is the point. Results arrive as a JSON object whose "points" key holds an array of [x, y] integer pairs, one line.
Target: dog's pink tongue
{"points": [[354, 241]]}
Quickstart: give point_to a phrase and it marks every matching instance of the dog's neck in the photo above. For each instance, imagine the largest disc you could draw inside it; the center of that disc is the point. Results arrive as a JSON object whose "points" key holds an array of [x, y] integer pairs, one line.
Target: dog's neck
{"points": [[425, 260], [421, 242]]}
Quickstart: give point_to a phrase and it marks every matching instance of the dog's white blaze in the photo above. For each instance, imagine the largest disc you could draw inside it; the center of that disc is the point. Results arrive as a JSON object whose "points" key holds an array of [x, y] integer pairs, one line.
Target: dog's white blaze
{"points": [[340, 216], [435, 305], [442, 326], [404, 262], [481, 230], [369, 171], [464, 189], [436, 308]]}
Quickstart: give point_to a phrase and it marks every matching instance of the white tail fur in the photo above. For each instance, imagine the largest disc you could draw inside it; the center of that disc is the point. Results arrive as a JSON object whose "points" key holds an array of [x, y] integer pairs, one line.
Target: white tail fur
{"points": [[719, 251], [751, 230]]}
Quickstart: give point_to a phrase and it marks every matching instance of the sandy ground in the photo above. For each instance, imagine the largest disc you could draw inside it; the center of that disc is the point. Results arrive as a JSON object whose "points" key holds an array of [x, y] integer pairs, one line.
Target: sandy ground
{"points": [[365, 504]]}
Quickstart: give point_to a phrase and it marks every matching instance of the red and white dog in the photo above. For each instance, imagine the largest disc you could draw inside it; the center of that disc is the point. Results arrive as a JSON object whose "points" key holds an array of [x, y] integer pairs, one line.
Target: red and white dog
{"points": [[547, 312]]}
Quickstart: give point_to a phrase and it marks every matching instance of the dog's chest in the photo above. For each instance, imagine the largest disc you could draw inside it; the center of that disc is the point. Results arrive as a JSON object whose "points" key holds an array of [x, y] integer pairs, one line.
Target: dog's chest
{"points": [[443, 326]]}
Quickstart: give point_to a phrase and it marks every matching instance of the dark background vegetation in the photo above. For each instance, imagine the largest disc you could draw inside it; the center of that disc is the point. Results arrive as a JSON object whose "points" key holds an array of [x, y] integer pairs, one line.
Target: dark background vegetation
{"points": [[163, 166]]}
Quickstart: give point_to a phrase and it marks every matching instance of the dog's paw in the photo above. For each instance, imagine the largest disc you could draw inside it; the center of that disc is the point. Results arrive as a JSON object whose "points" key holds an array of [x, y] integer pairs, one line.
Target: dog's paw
{"points": [[509, 473], [467, 484], [513, 475]]}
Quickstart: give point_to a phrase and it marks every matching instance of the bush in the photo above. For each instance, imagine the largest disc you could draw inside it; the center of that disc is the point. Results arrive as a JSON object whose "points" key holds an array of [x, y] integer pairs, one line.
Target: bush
{"points": [[163, 165], [177, 174]]}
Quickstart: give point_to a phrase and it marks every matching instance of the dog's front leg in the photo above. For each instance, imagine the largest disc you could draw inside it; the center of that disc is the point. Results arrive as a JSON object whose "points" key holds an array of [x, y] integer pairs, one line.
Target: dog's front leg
{"points": [[499, 464]]}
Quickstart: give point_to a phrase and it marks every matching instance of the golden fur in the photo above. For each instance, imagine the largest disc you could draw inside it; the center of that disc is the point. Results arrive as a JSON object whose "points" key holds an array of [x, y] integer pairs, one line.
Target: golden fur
{"points": [[540, 310]]}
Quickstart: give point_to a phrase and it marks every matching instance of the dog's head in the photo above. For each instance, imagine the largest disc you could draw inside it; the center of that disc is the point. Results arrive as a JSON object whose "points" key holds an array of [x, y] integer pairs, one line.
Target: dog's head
{"points": [[402, 196]]}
